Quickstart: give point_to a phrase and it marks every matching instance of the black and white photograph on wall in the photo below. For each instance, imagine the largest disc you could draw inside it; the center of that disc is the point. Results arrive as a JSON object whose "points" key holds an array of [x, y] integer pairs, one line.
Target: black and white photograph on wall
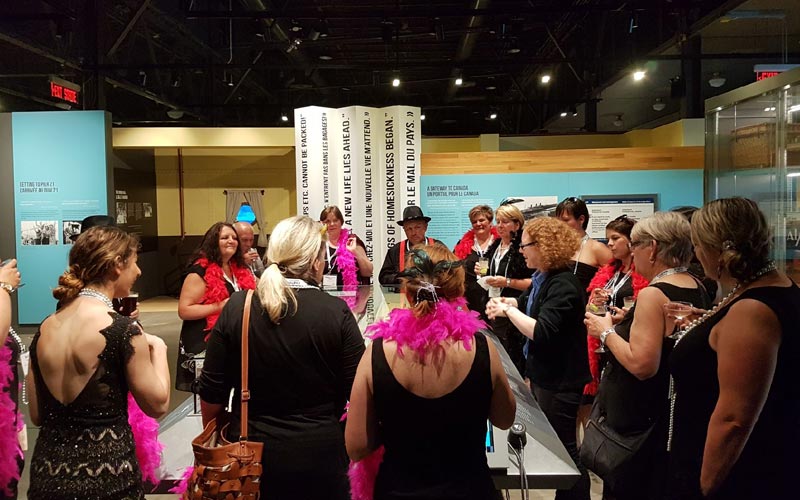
{"points": [[122, 213], [39, 232], [70, 229], [533, 206]]}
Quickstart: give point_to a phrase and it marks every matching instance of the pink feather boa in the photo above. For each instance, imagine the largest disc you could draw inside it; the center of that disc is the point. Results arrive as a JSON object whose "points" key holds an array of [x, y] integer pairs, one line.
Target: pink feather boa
{"points": [[9, 442], [148, 447], [216, 291], [346, 262], [182, 485], [451, 321]]}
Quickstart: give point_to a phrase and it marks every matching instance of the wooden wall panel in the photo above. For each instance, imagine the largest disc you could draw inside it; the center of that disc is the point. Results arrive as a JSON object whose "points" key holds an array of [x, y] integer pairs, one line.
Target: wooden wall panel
{"points": [[572, 160]]}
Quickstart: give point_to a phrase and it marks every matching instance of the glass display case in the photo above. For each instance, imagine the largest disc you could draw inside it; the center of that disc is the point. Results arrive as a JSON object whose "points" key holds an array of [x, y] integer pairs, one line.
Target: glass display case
{"points": [[753, 150]]}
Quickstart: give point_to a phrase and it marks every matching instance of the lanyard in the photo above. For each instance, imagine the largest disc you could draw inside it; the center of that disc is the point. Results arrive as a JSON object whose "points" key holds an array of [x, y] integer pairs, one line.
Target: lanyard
{"points": [[330, 258], [497, 259], [614, 284], [477, 247], [231, 280]]}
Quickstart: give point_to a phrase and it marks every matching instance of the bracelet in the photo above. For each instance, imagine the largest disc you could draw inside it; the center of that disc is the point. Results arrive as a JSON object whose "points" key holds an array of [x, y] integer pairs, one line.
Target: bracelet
{"points": [[7, 287], [604, 335], [508, 282]]}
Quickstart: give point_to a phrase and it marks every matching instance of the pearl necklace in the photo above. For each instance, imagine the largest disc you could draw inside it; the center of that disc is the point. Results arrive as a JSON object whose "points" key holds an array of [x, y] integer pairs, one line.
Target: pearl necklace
{"points": [[699, 321], [91, 292], [22, 350]]}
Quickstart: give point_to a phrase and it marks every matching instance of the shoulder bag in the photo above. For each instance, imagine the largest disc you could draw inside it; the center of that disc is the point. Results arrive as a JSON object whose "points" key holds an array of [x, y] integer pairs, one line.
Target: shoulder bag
{"points": [[225, 470], [605, 451]]}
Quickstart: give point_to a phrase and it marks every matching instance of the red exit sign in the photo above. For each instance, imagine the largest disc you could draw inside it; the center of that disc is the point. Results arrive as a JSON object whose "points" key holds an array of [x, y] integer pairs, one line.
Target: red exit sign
{"points": [[64, 90], [763, 75]]}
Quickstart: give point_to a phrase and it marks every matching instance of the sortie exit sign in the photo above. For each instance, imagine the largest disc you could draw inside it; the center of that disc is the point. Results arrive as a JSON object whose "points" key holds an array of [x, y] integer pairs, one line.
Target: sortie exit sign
{"points": [[64, 90]]}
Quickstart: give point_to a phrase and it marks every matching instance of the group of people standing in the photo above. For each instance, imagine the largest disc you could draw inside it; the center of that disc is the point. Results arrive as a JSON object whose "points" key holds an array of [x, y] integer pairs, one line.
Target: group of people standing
{"points": [[706, 396]]}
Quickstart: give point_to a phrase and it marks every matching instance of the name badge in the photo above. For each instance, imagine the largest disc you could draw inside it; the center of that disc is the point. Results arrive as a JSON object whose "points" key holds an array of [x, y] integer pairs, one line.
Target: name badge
{"points": [[25, 361], [329, 281]]}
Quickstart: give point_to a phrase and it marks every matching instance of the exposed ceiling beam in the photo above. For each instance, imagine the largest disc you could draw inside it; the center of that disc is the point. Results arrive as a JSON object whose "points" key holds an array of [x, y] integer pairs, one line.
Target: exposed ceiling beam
{"points": [[128, 27], [39, 51]]}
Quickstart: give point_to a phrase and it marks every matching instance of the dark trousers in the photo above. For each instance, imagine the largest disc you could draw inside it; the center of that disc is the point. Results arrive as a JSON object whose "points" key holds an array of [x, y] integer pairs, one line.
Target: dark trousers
{"points": [[561, 410]]}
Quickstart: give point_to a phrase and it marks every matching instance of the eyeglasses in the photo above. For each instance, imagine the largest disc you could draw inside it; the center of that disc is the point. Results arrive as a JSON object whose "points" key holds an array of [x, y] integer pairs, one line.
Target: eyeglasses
{"points": [[634, 244], [523, 245], [572, 199]]}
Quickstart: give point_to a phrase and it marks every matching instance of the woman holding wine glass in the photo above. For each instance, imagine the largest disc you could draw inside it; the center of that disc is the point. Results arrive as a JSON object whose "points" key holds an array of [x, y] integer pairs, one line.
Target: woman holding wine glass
{"points": [[611, 286], [633, 391], [736, 399]]}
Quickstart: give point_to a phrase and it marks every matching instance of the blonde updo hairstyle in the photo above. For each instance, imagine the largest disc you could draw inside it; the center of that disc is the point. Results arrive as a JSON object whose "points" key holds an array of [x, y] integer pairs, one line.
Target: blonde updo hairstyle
{"points": [[672, 234], [448, 281], [295, 244], [92, 259], [557, 242], [738, 230]]}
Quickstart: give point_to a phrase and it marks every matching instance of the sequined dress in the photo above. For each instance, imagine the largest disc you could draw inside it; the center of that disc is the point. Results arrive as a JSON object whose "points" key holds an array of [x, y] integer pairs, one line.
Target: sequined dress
{"points": [[85, 449]]}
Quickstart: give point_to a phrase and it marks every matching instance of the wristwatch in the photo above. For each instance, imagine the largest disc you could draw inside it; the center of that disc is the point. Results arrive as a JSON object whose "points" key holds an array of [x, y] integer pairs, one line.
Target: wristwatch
{"points": [[605, 334], [508, 282], [7, 287]]}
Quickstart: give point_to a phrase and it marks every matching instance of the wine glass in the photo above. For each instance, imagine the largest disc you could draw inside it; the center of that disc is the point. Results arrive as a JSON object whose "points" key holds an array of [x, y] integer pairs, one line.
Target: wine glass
{"points": [[628, 302], [679, 310], [598, 305]]}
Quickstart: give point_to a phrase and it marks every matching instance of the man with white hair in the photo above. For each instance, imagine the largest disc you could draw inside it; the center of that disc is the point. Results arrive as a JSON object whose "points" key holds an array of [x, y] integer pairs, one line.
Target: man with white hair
{"points": [[249, 252]]}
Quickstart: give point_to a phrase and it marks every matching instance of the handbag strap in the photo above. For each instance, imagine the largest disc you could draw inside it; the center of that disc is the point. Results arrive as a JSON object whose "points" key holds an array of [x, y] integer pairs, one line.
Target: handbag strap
{"points": [[245, 354]]}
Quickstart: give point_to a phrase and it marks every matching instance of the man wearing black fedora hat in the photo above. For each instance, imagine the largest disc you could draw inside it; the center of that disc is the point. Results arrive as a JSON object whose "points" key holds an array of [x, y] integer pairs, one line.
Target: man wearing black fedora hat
{"points": [[414, 224], [92, 221]]}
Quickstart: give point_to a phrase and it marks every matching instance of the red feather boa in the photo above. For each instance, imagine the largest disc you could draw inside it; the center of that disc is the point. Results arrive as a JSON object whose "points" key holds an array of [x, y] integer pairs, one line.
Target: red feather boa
{"points": [[600, 279], [216, 291], [464, 247]]}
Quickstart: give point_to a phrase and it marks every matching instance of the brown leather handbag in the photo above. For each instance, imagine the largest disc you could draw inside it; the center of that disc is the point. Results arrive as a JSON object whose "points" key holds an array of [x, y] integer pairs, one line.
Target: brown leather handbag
{"points": [[225, 470]]}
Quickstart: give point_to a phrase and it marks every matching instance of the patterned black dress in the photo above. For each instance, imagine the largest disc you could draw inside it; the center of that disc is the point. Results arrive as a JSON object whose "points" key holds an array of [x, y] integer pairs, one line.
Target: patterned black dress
{"points": [[85, 448]]}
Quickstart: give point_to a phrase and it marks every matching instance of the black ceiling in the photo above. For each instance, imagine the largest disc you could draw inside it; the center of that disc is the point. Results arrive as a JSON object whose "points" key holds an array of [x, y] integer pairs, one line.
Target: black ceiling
{"points": [[247, 62]]}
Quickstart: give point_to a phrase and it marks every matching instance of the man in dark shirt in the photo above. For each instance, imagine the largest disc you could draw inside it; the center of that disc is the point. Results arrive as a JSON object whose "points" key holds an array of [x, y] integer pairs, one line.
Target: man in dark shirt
{"points": [[414, 224]]}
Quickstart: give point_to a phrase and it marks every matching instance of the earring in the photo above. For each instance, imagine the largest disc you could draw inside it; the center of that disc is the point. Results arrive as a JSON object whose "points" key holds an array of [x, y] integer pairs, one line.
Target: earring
{"points": [[719, 269]]}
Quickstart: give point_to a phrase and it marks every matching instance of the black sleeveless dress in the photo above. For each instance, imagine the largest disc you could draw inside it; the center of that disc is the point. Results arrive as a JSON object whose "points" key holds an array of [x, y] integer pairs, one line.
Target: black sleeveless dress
{"points": [[584, 272], [631, 406], [435, 448], [767, 466], [86, 449]]}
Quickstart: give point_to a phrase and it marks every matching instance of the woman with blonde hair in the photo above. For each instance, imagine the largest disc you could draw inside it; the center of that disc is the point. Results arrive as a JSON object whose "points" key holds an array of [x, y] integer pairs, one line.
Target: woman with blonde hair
{"points": [[632, 397], [426, 365], [736, 399], [550, 314], [306, 346], [84, 360], [508, 276]]}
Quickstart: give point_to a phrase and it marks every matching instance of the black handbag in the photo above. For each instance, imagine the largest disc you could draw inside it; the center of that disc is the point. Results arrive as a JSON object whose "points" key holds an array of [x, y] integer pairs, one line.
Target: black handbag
{"points": [[605, 451]]}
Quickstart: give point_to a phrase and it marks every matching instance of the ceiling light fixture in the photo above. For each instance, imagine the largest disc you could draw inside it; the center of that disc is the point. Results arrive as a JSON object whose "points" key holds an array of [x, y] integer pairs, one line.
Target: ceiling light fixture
{"points": [[493, 116], [325, 57], [659, 104], [563, 114], [639, 75], [284, 118], [618, 121], [545, 79], [396, 82], [573, 111], [491, 87], [422, 117], [459, 81], [175, 114], [716, 80]]}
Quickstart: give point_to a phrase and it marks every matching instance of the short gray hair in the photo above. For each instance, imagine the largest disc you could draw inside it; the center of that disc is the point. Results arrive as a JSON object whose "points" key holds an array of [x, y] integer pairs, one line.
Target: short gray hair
{"points": [[672, 234]]}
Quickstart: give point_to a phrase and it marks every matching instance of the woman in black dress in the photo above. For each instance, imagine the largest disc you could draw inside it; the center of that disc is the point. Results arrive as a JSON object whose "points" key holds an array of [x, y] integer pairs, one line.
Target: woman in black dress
{"points": [[633, 389], [425, 388], [550, 314], [472, 247], [591, 254], [305, 347], [736, 402]]}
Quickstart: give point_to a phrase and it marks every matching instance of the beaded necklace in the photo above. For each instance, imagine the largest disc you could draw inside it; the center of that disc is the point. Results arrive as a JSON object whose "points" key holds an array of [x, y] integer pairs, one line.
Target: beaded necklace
{"points": [[699, 321], [22, 360], [91, 292]]}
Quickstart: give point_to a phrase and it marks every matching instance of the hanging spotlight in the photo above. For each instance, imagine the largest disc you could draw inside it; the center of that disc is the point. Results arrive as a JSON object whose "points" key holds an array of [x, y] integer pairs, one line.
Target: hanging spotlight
{"points": [[638, 75], [142, 78], [659, 105], [618, 121], [227, 78], [563, 114], [459, 81], [545, 79], [284, 118], [492, 115], [573, 111], [422, 117], [396, 82]]}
